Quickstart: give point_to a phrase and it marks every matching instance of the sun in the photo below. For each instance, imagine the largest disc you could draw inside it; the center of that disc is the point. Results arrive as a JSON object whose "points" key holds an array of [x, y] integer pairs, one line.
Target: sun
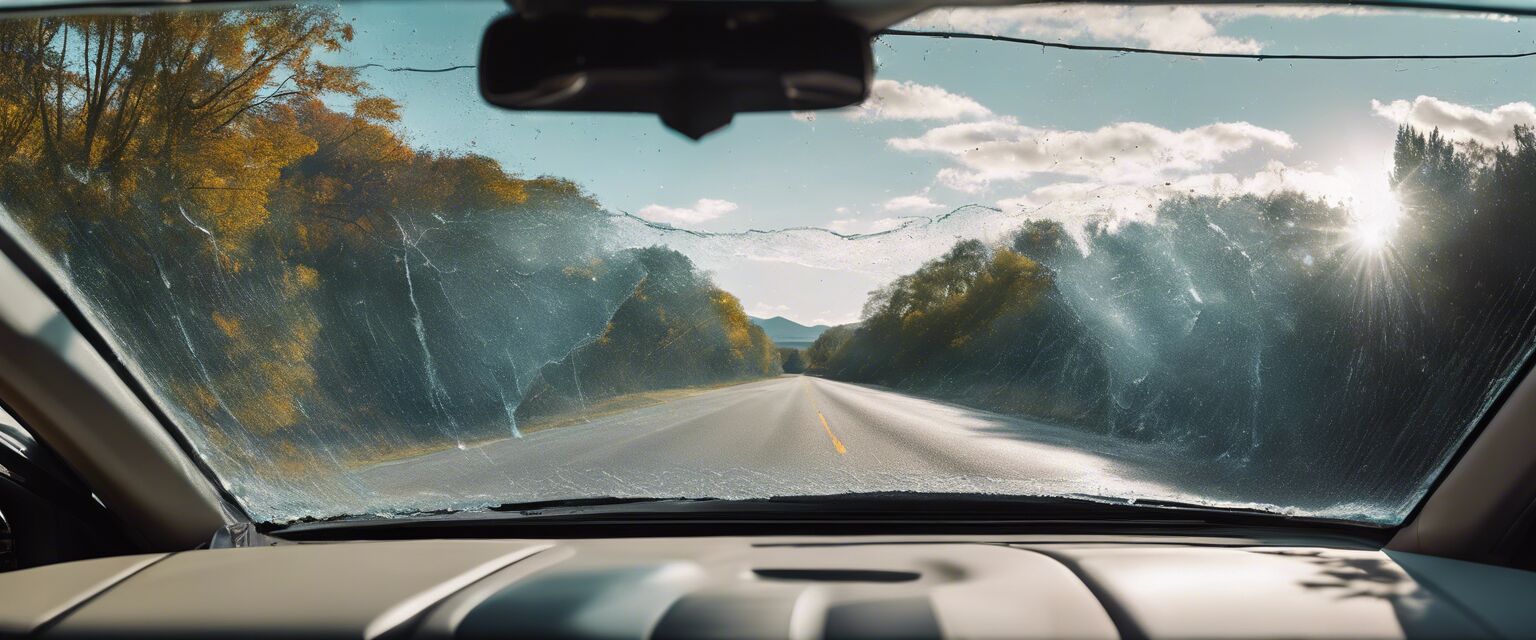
{"points": [[1375, 216], [1371, 234]]}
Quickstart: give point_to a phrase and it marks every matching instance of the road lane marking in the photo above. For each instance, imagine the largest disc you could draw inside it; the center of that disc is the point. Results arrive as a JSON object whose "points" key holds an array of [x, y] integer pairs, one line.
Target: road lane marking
{"points": [[841, 450], [805, 387]]}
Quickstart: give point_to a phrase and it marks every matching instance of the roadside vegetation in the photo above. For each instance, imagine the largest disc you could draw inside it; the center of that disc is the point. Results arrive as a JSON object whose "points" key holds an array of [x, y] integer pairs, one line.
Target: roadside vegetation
{"points": [[299, 280], [1276, 329], [793, 360]]}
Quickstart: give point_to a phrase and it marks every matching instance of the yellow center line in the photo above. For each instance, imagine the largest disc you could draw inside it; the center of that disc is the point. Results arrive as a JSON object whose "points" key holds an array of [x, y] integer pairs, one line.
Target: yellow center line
{"points": [[836, 444], [841, 450]]}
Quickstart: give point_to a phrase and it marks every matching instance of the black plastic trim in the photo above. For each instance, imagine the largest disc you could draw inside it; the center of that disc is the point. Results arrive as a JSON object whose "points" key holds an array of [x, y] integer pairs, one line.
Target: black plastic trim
{"points": [[675, 525]]}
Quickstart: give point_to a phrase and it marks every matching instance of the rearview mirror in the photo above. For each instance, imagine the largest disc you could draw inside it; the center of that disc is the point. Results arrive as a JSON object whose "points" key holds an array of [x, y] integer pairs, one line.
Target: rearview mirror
{"points": [[694, 64]]}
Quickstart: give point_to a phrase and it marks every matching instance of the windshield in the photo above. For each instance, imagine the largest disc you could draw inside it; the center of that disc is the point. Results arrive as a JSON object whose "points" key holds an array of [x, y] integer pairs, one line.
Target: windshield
{"points": [[1286, 285]]}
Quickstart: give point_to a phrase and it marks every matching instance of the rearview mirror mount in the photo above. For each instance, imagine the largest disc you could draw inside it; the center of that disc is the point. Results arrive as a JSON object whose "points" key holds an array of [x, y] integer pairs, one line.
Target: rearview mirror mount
{"points": [[695, 64]]}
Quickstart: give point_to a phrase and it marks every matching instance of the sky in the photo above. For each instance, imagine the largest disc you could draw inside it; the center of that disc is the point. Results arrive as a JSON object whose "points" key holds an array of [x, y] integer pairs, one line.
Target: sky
{"points": [[802, 214]]}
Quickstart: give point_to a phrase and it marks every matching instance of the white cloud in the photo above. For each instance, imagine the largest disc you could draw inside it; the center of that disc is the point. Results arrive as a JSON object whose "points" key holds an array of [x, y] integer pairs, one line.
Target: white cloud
{"points": [[704, 210], [762, 310], [844, 225], [1188, 28], [1115, 204], [1128, 151], [1337, 187], [1459, 122], [858, 254], [905, 100], [962, 180], [855, 226], [1074, 203], [916, 202], [909, 241], [1161, 27]]}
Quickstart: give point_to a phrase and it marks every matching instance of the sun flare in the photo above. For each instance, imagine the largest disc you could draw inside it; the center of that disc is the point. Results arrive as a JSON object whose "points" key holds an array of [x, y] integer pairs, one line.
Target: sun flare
{"points": [[1375, 216], [1372, 235]]}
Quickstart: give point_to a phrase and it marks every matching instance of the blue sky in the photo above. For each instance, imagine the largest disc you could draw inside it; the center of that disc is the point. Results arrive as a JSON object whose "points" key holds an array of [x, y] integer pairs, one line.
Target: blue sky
{"points": [[1037, 133]]}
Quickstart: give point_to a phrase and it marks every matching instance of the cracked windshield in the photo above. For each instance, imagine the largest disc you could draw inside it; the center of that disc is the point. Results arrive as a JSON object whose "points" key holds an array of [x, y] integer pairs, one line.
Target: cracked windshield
{"points": [[1286, 285]]}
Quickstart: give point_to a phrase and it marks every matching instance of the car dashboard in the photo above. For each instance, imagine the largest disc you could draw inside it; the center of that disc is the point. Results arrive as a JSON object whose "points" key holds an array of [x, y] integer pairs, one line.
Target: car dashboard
{"points": [[746, 587]]}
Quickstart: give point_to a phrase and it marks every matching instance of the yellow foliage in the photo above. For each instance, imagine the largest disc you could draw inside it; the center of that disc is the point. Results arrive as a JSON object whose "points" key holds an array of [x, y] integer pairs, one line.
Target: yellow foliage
{"points": [[299, 279], [230, 327], [275, 377], [307, 276], [377, 109], [734, 320], [234, 173], [212, 125]]}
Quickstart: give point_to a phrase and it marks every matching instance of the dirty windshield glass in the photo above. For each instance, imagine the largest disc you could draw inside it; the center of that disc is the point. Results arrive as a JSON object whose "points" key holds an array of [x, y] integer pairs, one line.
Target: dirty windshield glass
{"points": [[1276, 284]]}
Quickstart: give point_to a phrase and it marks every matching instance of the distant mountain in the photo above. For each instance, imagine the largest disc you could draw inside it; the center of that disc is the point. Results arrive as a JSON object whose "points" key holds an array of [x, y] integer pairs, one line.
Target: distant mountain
{"points": [[788, 333]]}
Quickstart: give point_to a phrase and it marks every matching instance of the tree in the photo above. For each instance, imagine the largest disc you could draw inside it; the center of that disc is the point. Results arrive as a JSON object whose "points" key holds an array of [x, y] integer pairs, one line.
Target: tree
{"points": [[676, 330], [825, 350], [793, 360], [298, 282]]}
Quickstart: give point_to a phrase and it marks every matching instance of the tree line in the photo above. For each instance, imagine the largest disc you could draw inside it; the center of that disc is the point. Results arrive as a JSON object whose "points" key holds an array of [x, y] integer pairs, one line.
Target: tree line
{"points": [[299, 281], [1255, 330]]}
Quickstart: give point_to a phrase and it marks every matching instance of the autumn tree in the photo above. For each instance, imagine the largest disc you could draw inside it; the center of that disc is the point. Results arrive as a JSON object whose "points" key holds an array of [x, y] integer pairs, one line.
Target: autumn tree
{"points": [[145, 147], [677, 329], [297, 281]]}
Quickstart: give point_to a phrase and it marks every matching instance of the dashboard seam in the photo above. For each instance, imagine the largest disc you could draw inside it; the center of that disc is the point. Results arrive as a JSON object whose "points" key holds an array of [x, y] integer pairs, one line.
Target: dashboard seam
{"points": [[77, 606], [1124, 623]]}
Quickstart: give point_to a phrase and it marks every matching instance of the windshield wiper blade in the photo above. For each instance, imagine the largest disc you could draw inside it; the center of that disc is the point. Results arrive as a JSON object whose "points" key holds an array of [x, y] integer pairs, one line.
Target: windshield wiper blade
{"points": [[1036, 505], [837, 514], [903, 505], [870, 505], [544, 506], [890, 506], [533, 508]]}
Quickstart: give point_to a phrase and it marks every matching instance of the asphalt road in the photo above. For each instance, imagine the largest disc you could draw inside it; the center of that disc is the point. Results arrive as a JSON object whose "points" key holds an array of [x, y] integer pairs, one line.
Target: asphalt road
{"points": [[787, 435]]}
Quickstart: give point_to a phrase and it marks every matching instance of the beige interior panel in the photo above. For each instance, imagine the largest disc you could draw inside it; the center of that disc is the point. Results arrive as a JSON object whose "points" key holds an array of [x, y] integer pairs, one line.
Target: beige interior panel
{"points": [[1473, 513], [353, 590], [743, 587], [33, 597], [68, 395], [1181, 592], [727, 587]]}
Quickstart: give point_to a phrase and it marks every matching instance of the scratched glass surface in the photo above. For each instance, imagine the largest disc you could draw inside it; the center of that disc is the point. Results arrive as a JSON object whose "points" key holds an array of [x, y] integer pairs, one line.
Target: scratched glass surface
{"points": [[1285, 285]]}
